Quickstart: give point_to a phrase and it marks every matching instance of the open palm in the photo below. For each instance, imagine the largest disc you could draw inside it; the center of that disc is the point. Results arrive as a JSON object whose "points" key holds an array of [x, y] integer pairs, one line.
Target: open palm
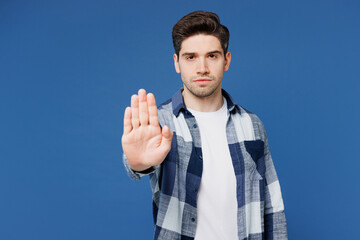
{"points": [[144, 143]]}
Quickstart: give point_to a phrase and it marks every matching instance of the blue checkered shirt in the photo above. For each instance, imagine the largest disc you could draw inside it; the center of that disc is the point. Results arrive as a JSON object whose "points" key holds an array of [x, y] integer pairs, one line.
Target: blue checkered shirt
{"points": [[175, 183]]}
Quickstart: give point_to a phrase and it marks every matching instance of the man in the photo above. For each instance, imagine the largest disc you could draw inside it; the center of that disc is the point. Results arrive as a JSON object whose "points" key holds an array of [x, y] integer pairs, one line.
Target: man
{"points": [[211, 171]]}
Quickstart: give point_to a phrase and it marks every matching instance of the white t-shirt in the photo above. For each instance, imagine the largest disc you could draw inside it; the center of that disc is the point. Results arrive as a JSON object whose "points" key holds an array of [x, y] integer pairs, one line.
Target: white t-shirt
{"points": [[216, 202]]}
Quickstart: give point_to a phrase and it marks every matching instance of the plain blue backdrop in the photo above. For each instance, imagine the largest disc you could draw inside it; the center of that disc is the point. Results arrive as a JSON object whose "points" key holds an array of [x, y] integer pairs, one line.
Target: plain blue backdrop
{"points": [[68, 69]]}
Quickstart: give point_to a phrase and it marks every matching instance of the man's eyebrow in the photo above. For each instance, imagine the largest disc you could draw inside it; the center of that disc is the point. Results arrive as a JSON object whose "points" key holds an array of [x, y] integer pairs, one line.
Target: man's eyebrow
{"points": [[216, 51], [193, 53], [187, 53]]}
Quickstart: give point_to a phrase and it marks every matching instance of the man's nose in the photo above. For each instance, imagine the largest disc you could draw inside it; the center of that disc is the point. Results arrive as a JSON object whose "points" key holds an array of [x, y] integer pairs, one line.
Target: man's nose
{"points": [[202, 66]]}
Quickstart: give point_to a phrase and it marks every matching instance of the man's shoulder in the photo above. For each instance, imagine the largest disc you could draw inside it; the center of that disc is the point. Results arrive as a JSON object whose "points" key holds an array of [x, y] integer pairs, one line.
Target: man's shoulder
{"points": [[244, 115], [258, 126], [166, 106], [173, 105], [236, 108], [252, 115], [165, 113]]}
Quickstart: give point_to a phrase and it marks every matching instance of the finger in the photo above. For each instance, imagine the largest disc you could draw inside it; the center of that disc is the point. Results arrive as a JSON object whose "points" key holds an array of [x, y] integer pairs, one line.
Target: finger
{"points": [[127, 121], [153, 113], [143, 108], [135, 111], [165, 145], [167, 134]]}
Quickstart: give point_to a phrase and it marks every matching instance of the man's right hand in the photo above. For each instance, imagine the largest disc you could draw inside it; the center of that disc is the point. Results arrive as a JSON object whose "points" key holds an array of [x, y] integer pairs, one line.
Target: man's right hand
{"points": [[144, 143]]}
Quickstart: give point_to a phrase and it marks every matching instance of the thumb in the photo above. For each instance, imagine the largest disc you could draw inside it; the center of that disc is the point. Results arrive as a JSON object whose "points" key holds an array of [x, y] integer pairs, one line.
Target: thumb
{"points": [[166, 138], [167, 134]]}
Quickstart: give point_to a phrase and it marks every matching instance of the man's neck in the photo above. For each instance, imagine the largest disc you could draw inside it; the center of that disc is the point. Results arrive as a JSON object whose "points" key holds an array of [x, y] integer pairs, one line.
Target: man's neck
{"points": [[211, 103]]}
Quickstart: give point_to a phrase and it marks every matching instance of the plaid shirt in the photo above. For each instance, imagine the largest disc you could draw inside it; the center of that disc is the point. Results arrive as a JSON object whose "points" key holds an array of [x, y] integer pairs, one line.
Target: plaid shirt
{"points": [[175, 183]]}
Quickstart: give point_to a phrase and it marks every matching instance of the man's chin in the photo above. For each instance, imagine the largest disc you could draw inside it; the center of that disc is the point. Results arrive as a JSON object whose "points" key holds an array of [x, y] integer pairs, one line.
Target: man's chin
{"points": [[202, 91]]}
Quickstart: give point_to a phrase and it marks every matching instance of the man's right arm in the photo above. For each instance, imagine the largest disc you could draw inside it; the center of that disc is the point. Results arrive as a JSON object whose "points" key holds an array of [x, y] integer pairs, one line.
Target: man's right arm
{"points": [[144, 143]]}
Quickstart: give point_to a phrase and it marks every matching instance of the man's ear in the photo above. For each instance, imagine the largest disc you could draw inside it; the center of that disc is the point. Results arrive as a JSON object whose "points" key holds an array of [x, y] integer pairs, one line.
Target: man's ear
{"points": [[176, 63], [227, 61]]}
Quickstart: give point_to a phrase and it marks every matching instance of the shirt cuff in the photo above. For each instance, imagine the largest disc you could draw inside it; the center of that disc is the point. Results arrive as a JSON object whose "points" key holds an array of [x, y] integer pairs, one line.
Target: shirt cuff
{"points": [[135, 175]]}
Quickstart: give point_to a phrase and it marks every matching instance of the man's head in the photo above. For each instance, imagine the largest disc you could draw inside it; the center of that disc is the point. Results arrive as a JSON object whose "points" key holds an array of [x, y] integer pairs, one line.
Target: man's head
{"points": [[199, 22], [201, 54]]}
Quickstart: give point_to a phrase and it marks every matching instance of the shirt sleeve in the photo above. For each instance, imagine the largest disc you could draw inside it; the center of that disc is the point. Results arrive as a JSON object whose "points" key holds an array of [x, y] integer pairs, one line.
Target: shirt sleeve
{"points": [[274, 219], [134, 174]]}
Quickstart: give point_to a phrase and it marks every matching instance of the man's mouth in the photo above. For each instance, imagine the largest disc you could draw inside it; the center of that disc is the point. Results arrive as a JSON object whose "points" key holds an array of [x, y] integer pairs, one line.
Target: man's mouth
{"points": [[202, 81]]}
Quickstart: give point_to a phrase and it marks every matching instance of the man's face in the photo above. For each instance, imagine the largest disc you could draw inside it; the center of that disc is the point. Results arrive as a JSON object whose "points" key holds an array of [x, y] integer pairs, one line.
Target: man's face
{"points": [[201, 64]]}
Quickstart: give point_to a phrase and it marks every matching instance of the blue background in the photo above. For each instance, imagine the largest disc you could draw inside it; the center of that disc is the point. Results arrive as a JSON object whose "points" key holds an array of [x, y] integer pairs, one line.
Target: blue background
{"points": [[68, 69]]}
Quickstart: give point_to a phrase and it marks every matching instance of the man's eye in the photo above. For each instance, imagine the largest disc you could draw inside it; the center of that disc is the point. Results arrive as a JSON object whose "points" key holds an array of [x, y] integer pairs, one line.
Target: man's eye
{"points": [[190, 57], [212, 56]]}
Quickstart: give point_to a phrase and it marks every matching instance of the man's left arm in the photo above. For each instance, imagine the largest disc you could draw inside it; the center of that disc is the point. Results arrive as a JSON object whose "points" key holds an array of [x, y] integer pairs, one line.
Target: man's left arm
{"points": [[274, 219]]}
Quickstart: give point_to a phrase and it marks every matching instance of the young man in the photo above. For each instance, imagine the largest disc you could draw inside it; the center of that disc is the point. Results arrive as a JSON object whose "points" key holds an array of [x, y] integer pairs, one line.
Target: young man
{"points": [[210, 168]]}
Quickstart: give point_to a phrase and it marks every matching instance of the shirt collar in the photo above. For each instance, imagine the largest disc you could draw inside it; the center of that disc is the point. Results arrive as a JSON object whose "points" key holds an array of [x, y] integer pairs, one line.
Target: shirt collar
{"points": [[179, 105]]}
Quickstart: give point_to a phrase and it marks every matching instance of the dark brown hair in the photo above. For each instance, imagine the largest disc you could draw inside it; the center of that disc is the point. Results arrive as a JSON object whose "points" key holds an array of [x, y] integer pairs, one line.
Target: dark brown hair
{"points": [[199, 22]]}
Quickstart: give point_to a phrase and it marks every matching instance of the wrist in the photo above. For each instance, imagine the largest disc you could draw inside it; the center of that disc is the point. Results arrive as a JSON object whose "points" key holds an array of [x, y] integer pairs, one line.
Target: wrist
{"points": [[146, 171], [140, 168]]}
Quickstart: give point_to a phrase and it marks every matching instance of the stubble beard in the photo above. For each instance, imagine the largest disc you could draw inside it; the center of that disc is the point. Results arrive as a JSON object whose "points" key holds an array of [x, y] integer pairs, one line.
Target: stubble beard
{"points": [[202, 91]]}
